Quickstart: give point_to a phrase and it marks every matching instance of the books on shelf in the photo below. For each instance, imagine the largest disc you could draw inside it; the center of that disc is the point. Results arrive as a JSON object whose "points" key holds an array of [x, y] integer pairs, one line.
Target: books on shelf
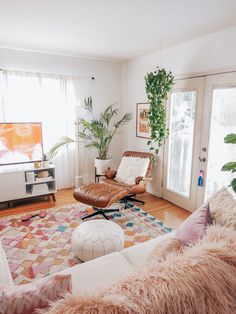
{"points": [[30, 176], [44, 179], [40, 188]]}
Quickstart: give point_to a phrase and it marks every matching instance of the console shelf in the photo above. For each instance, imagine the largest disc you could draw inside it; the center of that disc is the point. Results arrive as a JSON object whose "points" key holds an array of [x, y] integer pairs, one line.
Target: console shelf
{"points": [[27, 182]]}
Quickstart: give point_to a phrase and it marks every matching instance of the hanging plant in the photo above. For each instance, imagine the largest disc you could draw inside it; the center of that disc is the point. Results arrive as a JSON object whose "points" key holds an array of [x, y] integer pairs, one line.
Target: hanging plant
{"points": [[158, 85]]}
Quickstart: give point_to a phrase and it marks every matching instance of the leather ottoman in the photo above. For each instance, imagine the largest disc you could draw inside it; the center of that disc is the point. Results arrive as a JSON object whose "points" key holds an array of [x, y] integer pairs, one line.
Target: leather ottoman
{"points": [[95, 238], [100, 195]]}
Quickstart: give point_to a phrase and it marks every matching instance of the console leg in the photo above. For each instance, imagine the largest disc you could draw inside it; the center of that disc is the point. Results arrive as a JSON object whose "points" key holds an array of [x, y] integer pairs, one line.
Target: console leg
{"points": [[53, 197], [10, 204]]}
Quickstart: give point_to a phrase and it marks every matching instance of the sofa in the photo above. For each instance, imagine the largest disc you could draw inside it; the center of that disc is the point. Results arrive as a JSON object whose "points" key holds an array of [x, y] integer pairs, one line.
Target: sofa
{"points": [[100, 272], [197, 277]]}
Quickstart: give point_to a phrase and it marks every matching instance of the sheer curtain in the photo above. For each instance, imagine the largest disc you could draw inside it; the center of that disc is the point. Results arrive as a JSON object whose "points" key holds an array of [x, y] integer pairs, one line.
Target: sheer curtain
{"points": [[52, 100]]}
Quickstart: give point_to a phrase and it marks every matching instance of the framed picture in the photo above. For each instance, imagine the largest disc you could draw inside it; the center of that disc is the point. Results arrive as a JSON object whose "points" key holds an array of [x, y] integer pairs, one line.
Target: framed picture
{"points": [[142, 126]]}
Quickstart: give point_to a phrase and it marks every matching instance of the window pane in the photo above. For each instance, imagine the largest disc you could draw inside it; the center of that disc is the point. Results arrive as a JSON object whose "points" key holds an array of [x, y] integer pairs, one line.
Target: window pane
{"points": [[223, 122], [32, 98], [182, 116]]}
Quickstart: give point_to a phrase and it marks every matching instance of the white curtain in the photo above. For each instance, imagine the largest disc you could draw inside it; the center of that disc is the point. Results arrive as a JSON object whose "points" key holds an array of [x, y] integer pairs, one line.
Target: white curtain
{"points": [[54, 101]]}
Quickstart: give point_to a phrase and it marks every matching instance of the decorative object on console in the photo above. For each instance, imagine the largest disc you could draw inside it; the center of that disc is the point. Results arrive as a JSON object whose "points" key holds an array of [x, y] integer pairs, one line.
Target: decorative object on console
{"points": [[45, 161], [37, 165], [41, 247], [158, 85], [25, 299], [96, 133], [95, 238], [142, 122]]}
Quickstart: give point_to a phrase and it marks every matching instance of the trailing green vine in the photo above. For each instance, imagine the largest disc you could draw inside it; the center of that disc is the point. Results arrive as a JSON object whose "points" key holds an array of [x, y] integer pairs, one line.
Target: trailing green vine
{"points": [[158, 85]]}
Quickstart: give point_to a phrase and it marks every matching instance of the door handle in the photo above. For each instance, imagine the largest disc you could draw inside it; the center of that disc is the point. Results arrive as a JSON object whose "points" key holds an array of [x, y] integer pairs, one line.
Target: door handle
{"points": [[202, 159]]}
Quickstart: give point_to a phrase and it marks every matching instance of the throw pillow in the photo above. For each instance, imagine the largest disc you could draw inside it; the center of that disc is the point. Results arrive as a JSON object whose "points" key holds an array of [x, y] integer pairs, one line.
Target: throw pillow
{"points": [[169, 245], [25, 299], [194, 227], [130, 168], [223, 208], [5, 274]]}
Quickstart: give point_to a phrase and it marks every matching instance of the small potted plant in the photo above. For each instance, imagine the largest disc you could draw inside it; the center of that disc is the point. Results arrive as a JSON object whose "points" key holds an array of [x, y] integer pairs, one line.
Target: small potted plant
{"points": [[96, 133], [45, 161]]}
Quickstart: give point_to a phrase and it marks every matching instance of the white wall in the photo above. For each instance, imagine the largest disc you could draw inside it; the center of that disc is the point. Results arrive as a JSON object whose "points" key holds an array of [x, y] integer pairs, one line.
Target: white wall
{"points": [[213, 52], [206, 54], [105, 89]]}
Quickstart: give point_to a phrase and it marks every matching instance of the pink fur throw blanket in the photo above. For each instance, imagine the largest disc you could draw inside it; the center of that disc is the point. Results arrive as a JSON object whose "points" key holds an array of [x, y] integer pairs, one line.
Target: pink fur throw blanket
{"points": [[196, 279]]}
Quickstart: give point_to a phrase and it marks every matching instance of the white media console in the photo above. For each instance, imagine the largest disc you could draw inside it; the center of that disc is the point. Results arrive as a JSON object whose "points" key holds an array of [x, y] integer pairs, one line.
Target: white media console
{"points": [[26, 181]]}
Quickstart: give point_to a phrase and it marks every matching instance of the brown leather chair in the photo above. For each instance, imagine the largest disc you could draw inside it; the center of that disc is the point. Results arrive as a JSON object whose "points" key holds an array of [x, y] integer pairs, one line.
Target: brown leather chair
{"points": [[108, 191]]}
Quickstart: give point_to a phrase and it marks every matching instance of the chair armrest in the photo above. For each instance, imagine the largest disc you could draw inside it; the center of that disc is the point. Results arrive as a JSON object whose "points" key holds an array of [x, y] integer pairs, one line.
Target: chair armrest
{"points": [[110, 174], [138, 179]]}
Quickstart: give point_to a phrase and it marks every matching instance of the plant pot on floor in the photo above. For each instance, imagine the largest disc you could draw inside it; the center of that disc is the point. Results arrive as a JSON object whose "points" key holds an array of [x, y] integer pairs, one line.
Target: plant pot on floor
{"points": [[102, 165]]}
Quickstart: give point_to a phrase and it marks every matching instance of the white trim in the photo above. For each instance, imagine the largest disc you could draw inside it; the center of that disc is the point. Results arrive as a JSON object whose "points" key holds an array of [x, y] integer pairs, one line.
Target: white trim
{"points": [[218, 71]]}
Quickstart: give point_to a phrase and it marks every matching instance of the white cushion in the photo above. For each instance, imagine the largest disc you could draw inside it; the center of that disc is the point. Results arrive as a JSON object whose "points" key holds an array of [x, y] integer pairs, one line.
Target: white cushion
{"points": [[5, 274], [137, 255], [91, 276], [130, 168], [222, 206]]}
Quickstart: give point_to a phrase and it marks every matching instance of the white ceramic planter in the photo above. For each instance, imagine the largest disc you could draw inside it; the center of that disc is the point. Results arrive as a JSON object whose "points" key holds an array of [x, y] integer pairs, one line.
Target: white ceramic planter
{"points": [[102, 165]]}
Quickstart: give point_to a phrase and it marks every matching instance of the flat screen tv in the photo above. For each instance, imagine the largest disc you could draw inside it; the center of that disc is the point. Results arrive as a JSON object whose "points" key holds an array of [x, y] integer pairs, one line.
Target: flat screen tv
{"points": [[20, 143]]}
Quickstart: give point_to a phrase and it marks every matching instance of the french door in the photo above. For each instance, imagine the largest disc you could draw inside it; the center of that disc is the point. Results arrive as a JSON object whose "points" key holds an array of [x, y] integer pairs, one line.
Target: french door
{"points": [[201, 111]]}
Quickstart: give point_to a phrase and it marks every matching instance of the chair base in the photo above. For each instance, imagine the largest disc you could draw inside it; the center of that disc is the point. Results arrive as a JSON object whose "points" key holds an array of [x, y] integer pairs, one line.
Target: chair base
{"points": [[131, 198], [99, 211]]}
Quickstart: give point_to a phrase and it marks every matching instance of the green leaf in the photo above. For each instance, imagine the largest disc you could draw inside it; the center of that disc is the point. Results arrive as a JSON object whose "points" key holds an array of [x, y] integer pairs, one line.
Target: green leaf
{"points": [[230, 166], [158, 84], [230, 138], [96, 133], [233, 184], [62, 143]]}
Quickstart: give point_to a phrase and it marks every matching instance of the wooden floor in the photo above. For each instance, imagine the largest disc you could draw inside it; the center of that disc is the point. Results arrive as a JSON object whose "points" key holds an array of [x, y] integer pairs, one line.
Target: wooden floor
{"points": [[169, 213]]}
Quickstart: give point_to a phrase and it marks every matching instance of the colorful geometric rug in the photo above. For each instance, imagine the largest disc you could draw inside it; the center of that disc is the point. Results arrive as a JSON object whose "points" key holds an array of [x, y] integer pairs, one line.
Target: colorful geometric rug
{"points": [[42, 246]]}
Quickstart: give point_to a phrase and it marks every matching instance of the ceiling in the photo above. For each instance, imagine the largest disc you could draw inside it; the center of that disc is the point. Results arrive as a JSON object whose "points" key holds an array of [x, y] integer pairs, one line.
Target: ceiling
{"points": [[109, 29]]}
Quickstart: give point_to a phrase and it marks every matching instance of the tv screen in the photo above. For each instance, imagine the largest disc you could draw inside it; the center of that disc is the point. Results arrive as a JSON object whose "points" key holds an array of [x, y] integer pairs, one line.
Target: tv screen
{"points": [[20, 143]]}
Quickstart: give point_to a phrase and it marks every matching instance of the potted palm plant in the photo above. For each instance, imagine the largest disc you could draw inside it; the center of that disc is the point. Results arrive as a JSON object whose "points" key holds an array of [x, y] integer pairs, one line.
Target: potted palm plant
{"points": [[95, 133]]}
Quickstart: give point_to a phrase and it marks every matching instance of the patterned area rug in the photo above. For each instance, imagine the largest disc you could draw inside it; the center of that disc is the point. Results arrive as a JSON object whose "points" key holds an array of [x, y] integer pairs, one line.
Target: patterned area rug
{"points": [[41, 247]]}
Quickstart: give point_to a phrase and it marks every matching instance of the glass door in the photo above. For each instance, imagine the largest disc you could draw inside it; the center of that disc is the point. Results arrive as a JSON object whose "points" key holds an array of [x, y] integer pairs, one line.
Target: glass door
{"points": [[219, 119], [195, 150], [182, 146]]}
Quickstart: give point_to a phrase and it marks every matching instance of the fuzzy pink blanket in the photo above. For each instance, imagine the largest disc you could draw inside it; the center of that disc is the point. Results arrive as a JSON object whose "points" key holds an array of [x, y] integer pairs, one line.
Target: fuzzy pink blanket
{"points": [[198, 279]]}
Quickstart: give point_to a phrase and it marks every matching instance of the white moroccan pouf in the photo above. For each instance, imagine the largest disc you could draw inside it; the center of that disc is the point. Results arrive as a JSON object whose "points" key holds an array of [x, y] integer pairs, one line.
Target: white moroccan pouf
{"points": [[95, 238]]}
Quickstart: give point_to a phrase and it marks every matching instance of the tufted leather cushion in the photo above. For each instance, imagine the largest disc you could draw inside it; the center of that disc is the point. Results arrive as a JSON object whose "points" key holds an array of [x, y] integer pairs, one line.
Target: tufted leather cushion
{"points": [[132, 189], [99, 194]]}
